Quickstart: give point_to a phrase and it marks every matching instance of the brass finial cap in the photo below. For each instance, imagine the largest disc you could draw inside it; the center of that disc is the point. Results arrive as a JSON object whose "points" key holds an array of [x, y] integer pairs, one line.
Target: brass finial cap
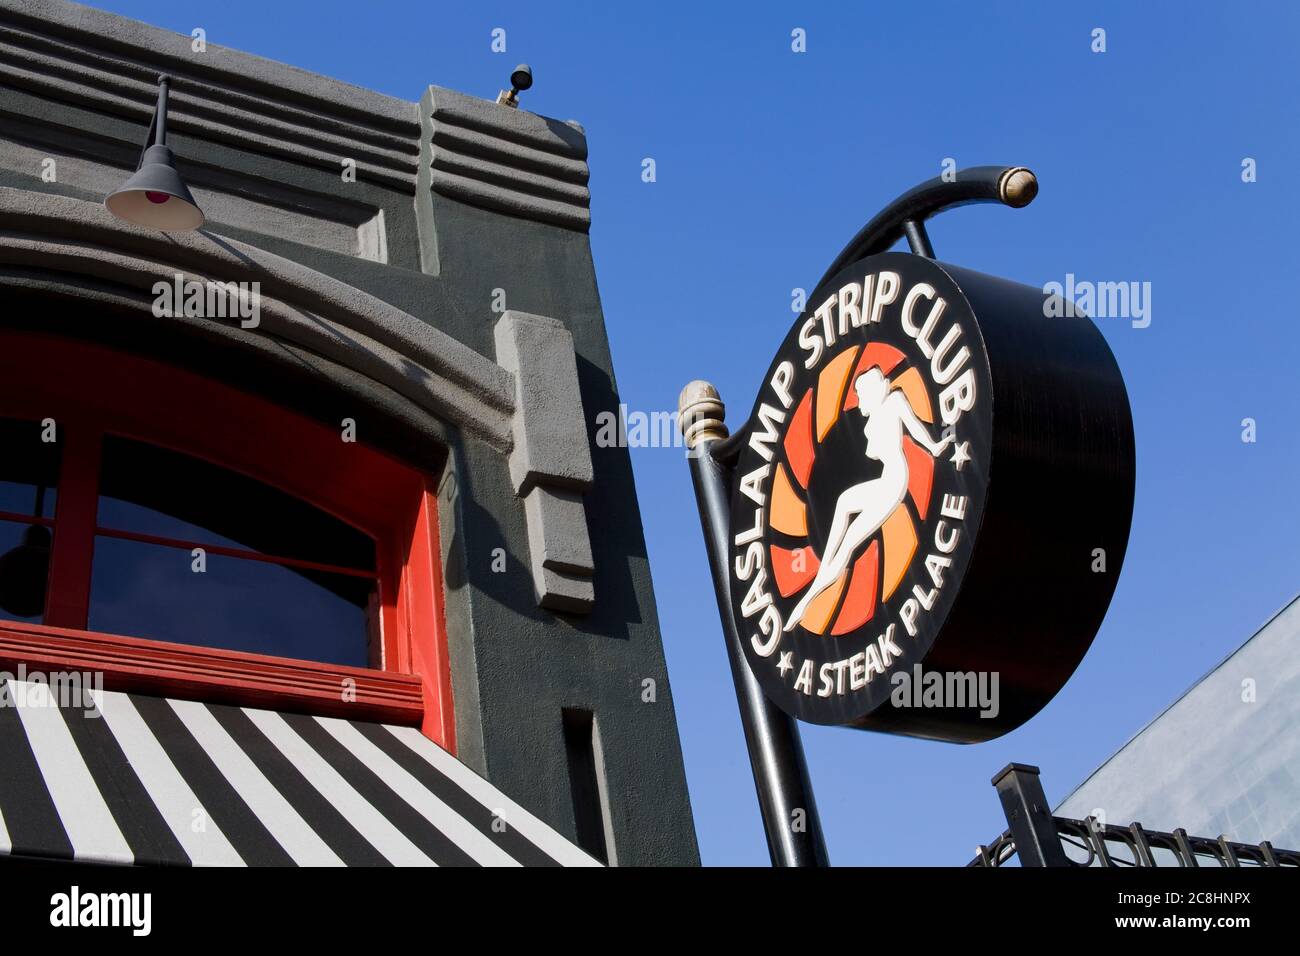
{"points": [[700, 413], [1018, 187]]}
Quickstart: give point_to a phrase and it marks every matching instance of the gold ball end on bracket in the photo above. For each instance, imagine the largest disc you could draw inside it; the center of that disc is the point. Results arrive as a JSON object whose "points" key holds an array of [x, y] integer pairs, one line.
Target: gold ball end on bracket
{"points": [[1018, 187]]}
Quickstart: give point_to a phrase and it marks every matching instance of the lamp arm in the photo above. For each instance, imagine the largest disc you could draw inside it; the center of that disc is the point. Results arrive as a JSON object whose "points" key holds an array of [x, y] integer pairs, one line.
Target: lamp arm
{"points": [[157, 135], [160, 115], [148, 141]]}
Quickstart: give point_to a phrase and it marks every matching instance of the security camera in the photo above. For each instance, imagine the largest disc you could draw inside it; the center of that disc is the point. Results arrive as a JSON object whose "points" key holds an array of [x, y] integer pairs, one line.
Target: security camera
{"points": [[520, 79]]}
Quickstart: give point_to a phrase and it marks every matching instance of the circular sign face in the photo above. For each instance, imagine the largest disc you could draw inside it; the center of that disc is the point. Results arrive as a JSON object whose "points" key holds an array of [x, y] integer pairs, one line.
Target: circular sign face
{"points": [[860, 490]]}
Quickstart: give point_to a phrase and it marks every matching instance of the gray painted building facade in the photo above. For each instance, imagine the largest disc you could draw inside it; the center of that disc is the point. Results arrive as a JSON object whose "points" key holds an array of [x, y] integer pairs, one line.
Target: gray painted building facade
{"points": [[445, 300]]}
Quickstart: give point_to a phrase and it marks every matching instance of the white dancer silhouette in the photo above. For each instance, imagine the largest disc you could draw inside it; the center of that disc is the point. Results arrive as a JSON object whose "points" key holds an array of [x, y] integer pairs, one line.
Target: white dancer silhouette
{"points": [[863, 508]]}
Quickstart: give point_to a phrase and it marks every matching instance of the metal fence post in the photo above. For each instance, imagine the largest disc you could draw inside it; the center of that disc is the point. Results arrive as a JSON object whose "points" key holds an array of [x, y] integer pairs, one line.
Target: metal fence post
{"points": [[1029, 816]]}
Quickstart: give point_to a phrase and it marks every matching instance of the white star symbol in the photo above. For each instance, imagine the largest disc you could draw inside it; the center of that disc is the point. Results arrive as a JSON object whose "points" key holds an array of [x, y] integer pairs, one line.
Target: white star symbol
{"points": [[960, 454], [785, 662]]}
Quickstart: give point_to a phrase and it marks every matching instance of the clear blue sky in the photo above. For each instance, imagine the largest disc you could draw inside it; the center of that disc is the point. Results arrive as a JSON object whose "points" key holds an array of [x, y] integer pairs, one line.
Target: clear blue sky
{"points": [[768, 161]]}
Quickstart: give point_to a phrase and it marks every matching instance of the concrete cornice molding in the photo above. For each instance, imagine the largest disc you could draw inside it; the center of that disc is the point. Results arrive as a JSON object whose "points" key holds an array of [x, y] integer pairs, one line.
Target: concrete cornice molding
{"points": [[92, 28], [565, 142], [58, 234], [507, 160], [110, 63], [96, 293]]}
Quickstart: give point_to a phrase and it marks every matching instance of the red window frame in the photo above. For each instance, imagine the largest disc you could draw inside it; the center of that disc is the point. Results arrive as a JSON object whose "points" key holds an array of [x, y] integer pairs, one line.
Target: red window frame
{"points": [[89, 390]]}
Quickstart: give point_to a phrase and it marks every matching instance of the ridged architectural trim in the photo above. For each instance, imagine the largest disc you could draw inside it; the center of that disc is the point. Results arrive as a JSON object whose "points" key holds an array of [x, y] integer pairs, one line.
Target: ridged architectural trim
{"points": [[97, 60], [58, 235], [507, 160]]}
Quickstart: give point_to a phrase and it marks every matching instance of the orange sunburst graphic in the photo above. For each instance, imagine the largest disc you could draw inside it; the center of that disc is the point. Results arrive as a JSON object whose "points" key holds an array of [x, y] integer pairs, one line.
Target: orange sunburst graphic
{"points": [[876, 572]]}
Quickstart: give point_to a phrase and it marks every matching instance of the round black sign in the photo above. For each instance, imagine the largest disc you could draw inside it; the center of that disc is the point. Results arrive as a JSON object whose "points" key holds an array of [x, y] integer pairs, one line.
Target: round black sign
{"points": [[859, 504], [861, 488]]}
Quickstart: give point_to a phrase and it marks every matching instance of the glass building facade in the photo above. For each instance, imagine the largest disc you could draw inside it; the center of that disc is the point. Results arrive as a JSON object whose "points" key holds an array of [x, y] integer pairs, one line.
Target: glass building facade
{"points": [[1223, 759]]}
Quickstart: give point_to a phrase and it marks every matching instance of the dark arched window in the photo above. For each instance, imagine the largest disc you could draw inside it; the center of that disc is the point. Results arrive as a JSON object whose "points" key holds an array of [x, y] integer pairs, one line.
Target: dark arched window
{"points": [[192, 552], [185, 537]]}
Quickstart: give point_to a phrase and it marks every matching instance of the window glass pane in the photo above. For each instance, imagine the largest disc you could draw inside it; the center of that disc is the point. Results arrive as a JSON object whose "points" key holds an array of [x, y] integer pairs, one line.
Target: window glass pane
{"points": [[153, 591], [24, 570], [29, 469], [151, 490]]}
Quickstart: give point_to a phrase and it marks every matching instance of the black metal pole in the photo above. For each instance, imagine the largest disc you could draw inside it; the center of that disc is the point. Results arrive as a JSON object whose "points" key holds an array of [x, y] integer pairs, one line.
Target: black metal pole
{"points": [[785, 795], [1029, 816], [160, 114], [917, 238]]}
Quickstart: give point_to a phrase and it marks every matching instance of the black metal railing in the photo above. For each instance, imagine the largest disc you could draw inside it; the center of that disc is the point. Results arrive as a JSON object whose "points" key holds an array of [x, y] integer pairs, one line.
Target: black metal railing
{"points": [[1037, 838]]}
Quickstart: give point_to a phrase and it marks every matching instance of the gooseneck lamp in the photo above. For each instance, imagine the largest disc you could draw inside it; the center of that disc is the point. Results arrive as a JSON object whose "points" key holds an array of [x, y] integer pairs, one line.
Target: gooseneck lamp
{"points": [[156, 196]]}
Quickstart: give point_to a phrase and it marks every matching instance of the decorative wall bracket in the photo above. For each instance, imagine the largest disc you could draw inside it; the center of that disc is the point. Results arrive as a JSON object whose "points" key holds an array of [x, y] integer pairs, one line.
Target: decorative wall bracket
{"points": [[550, 461]]}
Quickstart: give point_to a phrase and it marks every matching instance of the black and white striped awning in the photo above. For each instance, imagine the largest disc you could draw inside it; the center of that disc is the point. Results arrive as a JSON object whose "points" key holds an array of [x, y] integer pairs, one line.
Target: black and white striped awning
{"points": [[161, 781]]}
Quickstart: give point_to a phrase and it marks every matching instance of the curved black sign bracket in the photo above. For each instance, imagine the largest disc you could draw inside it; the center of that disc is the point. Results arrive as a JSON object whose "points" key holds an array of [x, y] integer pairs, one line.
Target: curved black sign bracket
{"points": [[905, 217]]}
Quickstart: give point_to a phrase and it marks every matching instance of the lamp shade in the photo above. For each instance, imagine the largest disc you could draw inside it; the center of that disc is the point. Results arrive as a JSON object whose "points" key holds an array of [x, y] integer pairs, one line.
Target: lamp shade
{"points": [[156, 196]]}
